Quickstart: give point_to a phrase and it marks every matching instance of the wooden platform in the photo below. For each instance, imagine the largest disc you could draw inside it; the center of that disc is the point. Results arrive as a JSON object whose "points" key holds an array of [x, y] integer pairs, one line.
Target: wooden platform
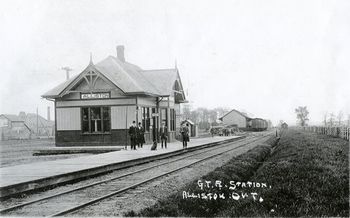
{"points": [[77, 150], [28, 177]]}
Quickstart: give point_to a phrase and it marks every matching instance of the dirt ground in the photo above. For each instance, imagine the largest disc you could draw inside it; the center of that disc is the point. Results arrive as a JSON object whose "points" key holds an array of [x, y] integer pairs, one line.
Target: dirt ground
{"points": [[14, 152]]}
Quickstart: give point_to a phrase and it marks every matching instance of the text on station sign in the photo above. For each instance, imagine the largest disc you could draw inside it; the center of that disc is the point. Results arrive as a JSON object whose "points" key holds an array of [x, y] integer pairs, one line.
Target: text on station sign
{"points": [[94, 95]]}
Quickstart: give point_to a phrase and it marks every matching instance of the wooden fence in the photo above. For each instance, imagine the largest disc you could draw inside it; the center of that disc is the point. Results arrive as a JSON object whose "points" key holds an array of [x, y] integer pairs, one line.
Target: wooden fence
{"points": [[341, 132]]}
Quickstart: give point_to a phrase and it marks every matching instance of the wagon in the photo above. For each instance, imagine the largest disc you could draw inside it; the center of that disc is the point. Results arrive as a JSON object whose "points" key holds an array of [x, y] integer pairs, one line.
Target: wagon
{"points": [[259, 124]]}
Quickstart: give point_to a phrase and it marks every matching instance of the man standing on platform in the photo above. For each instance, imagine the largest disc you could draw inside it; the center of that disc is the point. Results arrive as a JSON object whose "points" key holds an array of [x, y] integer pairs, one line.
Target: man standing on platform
{"points": [[140, 136], [163, 131], [185, 135], [133, 135]]}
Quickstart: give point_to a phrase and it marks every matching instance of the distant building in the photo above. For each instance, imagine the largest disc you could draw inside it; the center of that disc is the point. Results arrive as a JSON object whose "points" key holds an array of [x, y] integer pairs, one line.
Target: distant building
{"points": [[97, 106], [25, 126], [237, 118], [13, 127], [39, 126], [284, 126]]}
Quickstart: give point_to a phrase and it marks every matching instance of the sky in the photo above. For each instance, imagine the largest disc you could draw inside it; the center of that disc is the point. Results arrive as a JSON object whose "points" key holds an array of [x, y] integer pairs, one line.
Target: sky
{"points": [[263, 57]]}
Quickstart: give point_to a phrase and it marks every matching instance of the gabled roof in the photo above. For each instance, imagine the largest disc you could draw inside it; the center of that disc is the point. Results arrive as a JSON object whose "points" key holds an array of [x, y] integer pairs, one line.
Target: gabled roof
{"points": [[128, 77], [59, 89], [32, 120], [13, 118], [237, 112], [163, 79], [187, 121], [257, 118]]}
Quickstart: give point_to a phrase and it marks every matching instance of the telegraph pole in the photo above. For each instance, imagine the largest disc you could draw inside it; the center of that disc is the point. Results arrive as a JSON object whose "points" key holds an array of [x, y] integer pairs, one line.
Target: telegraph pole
{"points": [[67, 69], [37, 121]]}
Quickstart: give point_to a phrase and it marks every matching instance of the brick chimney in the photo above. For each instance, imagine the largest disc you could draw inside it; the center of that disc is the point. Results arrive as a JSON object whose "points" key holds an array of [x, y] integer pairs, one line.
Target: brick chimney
{"points": [[120, 53], [48, 113], [22, 115]]}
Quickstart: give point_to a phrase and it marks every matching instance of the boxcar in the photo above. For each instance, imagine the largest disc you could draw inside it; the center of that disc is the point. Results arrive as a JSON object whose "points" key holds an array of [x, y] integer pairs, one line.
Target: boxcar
{"points": [[259, 124]]}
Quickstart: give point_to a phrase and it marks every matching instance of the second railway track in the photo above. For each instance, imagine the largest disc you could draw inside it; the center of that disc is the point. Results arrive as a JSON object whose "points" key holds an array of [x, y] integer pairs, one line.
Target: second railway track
{"points": [[73, 199]]}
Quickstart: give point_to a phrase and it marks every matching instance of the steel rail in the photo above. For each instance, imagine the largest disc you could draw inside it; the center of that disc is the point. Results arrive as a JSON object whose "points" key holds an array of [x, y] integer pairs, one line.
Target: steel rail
{"points": [[74, 208], [12, 208]]}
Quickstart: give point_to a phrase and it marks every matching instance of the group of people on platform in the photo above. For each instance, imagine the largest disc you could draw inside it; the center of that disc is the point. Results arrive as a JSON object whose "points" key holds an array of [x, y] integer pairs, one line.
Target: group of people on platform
{"points": [[137, 135]]}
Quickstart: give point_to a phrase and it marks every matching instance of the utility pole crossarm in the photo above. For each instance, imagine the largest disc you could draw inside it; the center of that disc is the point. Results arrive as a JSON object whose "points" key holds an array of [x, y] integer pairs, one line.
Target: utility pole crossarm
{"points": [[67, 69]]}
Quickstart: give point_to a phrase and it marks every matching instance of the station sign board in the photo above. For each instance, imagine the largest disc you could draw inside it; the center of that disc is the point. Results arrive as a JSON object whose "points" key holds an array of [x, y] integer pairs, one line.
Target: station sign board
{"points": [[95, 95], [155, 115]]}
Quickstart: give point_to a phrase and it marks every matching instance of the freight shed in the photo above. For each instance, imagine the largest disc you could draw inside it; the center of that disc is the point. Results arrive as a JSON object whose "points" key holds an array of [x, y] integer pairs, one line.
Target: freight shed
{"points": [[97, 106], [243, 122], [235, 117]]}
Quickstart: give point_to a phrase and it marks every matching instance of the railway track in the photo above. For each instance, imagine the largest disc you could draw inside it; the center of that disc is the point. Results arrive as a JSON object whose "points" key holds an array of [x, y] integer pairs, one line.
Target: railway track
{"points": [[70, 200]]}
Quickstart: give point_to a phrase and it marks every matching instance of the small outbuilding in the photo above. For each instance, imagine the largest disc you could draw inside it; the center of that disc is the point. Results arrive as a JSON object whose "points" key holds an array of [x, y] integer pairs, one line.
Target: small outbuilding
{"points": [[284, 126], [193, 129]]}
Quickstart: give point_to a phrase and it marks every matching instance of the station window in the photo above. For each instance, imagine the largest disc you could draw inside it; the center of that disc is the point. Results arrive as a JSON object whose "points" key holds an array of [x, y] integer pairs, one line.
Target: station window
{"points": [[146, 118], [96, 119], [172, 119], [154, 119], [143, 117], [164, 116]]}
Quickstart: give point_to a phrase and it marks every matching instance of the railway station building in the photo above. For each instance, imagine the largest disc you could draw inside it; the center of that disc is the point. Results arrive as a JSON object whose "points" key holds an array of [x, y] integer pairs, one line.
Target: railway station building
{"points": [[97, 106]]}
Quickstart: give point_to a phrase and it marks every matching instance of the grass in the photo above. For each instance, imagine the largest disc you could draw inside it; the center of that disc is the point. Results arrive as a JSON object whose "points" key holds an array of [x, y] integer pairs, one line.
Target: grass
{"points": [[15, 152], [240, 168], [308, 174]]}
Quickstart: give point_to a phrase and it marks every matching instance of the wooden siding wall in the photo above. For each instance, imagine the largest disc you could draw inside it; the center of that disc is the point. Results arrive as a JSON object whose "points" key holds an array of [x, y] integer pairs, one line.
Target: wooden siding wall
{"points": [[147, 102], [139, 115], [164, 103], [68, 119], [171, 102], [117, 93], [71, 96], [235, 118], [122, 116]]}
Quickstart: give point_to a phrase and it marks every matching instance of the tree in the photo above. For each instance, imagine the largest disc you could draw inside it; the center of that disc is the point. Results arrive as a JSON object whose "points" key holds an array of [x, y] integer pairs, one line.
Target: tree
{"points": [[186, 111], [331, 119], [221, 111], [340, 117], [213, 116], [194, 116], [325, 118], [302, 115], [269, 123]]}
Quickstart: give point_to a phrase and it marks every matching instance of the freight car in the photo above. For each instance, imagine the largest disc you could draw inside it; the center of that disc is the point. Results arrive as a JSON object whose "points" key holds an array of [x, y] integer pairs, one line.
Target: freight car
{"points": [[259, 124]]}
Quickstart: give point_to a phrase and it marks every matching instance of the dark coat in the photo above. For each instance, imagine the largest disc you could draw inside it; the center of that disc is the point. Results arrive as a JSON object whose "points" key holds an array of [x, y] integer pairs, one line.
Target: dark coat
{"points": [[140, 134], [185, 134], [133, 132], [163, 132]]}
